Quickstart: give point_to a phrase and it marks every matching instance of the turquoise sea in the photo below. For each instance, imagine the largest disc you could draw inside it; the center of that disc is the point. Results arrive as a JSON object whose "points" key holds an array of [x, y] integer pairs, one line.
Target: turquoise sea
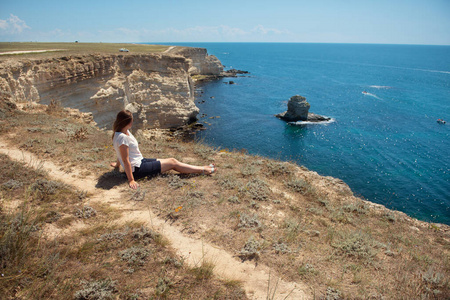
{"points": [[386, 144]]}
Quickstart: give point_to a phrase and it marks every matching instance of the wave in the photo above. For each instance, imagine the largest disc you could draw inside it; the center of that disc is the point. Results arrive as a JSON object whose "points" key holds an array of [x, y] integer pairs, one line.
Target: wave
{"points": [[312, 123], [417, 69], [435, 71], [381, 87], [412, 69], [377, 65], [372, 95]]}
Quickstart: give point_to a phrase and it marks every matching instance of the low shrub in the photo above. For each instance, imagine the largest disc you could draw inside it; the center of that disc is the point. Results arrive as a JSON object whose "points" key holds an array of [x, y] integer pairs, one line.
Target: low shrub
{"points": [[356, 245], [204, 271], [250, 250], [204, 151], [45, 188], [298, 185], [257, 189], [234, 199], [247, 221], [279, 168], [175, 182], [86, 212], [96, 290], [356, 207], [134, 256], [249, 169], [306, 269], [16, 237], [145, 235], [115, 237], [12, 185], [228, 182], [79, 134], [163, 286], [281, 248]]}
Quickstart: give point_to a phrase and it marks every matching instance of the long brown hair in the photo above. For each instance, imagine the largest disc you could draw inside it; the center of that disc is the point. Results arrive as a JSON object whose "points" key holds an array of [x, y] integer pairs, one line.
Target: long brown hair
{"points": [[124, 117]]}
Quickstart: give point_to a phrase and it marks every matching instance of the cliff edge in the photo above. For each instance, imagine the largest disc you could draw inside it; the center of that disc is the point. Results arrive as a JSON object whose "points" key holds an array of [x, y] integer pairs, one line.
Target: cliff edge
{"points": [[157, 87]]}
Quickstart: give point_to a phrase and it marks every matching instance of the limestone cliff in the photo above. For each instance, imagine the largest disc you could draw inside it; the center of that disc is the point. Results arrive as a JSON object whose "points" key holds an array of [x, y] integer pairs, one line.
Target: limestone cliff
{"points": [[157, 87], [200, 62]]}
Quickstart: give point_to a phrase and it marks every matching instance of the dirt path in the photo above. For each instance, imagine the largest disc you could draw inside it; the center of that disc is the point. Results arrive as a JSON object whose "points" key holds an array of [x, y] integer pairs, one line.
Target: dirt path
{"points": [[30, 51], [169, 49], [255, 278]]}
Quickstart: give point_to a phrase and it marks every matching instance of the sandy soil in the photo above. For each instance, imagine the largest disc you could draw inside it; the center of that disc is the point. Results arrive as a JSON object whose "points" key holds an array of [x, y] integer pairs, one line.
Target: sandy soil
{"points": [[169, 49], [255, 278]]}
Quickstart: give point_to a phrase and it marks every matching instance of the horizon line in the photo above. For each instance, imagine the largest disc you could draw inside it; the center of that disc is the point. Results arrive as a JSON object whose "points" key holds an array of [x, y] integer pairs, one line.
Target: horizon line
{"points": [[162, 43], [341, 43]]}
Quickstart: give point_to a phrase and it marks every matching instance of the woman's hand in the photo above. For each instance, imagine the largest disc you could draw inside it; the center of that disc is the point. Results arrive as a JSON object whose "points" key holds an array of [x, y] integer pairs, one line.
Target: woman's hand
{"points": [[133, 184], [114, 165]]}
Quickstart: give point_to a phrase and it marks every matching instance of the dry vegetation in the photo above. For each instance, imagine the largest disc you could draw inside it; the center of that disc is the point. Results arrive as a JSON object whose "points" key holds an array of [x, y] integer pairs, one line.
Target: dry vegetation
{"points": [[77, 48], [304, 227], [88, 256]]}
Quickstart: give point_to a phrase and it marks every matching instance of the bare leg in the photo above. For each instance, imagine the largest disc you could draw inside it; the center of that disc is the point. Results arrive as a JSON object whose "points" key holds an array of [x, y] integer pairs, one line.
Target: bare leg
{"points": [[173, 164]]}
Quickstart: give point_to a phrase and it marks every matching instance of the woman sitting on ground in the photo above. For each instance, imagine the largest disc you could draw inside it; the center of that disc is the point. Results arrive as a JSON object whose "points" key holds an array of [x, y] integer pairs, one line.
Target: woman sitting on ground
{"points": [[131, 159]]}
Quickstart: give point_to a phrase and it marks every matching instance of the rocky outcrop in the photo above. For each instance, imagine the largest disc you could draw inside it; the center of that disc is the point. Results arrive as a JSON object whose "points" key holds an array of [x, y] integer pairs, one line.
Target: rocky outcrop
{"points": [[157, 86], [234, 72], [200, 63], [298, 110], [158, 99]]}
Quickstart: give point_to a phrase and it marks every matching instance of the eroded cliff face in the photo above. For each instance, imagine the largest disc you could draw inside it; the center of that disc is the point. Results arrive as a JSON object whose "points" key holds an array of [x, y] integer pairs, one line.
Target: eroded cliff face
{"points": [[156, 87], [200, 63]]}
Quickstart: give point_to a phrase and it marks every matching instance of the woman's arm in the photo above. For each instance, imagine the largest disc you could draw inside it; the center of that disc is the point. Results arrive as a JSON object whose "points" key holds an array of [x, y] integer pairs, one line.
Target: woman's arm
{"points": [[127, 166]]}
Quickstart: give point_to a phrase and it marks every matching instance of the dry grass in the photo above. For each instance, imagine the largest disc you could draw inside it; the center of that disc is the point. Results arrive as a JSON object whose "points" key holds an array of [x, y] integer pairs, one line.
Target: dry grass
{"points": [[304, 227], [100, 261], [94, 259], [77, 48]]}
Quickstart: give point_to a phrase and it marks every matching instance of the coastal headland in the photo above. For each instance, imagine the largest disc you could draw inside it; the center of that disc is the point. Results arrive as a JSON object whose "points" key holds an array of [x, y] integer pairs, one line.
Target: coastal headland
{"points": [[258, 229], [157, 87]]}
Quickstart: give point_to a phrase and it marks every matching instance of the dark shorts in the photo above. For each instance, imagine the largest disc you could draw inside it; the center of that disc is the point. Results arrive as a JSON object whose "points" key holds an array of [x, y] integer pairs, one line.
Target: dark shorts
{"points": [[149, 167]]}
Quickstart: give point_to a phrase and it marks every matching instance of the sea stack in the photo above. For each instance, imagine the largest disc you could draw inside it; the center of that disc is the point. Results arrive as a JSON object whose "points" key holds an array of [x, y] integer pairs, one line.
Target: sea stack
{"points": [[298, 110]]}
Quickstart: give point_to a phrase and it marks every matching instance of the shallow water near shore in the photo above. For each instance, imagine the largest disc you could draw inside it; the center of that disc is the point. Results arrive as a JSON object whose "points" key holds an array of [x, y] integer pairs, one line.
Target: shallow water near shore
{"points": [[385, 143]]}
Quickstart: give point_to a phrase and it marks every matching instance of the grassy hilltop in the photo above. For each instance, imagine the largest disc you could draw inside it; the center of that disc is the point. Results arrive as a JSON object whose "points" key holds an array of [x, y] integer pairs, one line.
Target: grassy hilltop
{"points": [[59, 241]]}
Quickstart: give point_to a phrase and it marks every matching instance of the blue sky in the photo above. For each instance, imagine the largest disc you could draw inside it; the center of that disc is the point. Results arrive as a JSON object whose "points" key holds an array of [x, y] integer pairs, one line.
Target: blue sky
{"points": [[321, 21]]}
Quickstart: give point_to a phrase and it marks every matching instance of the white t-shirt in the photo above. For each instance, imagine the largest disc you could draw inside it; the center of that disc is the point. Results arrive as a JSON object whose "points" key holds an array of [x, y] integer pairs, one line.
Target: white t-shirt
{"points": [[130, 141]]}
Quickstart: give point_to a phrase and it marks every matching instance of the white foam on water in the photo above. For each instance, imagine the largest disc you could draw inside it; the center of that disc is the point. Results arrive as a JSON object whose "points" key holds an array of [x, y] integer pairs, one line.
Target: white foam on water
{"points": [[405, 68], [372, 95], [381, 87], [312, 123], [433, 71]]}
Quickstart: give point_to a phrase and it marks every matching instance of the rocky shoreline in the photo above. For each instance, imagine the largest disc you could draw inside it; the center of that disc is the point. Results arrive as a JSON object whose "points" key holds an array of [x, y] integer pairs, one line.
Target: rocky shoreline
{"points": [[157, 87]]}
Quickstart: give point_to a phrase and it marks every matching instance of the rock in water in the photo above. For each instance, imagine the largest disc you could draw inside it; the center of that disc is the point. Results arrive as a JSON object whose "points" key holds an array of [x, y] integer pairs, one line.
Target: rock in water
{"points": [[298, 110], [317, 118]]}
